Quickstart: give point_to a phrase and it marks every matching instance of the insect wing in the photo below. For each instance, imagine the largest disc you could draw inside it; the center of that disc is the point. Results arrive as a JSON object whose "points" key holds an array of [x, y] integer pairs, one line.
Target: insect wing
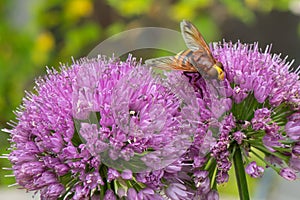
{"points": [[169, 63], [193, 39]]}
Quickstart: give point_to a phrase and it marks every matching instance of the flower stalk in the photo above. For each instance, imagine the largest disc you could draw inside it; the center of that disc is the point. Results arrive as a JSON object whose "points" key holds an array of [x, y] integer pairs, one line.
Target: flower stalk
{"points": [[240, 174]]}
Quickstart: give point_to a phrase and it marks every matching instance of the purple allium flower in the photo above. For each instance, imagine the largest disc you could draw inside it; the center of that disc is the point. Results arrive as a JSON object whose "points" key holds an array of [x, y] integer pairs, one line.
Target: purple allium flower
{"points": [[288, 174], [101, 123], [126, 174], [145, 194], [149, 194], [109, 195], [213, 195], [294, 163], [239, 136], [220, 150], [141, 113], [254, 170], [255, 110], [202, 182], [152, 179], [296, 150], [177, 191], [52, 191], [268, 99], [292, 127], [239, 94], [261, 118]]}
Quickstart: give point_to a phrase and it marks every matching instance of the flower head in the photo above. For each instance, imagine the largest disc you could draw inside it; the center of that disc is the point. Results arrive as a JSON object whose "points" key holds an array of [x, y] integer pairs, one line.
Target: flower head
{"points": [[104, 123], [259, 114], [271, 100]]}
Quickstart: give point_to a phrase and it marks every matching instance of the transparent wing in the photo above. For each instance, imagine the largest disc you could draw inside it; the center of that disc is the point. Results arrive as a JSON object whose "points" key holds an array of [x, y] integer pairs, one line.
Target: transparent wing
{"points": [[169, 63], [193, 38]]}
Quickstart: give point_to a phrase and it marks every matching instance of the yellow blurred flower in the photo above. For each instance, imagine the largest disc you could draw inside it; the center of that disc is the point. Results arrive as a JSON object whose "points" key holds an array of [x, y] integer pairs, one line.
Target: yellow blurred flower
{"points": [[78, 8], [252, 3], [181, 11], [45, 42]]}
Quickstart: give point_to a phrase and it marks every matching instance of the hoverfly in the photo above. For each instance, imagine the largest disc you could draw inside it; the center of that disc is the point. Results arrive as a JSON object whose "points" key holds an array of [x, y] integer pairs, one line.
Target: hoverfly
{"points": [[198, 58]]}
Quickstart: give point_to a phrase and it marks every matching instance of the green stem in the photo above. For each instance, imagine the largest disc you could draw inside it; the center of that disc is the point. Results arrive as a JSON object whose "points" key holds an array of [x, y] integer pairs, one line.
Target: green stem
{"points": [[276, 169], [267, 152], [240, 174]]}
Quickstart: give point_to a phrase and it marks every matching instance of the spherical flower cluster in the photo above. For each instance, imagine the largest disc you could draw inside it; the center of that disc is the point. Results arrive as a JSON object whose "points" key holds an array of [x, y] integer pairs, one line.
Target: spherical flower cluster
{"points": [[260, 115], [266, 103], [107, 129]]}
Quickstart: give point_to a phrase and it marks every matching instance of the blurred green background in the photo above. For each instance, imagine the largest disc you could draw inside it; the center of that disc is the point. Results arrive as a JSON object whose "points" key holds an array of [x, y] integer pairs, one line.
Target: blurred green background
{"points": [[35, 34]]}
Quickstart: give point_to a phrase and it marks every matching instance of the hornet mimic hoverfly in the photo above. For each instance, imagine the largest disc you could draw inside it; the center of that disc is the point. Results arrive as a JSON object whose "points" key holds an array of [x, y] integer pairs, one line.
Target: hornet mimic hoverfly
{"points": [[198, 58]]}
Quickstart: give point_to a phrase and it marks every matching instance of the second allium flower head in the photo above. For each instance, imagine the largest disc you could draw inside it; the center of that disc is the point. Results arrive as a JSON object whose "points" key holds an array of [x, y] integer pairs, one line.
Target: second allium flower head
{"points": [[265, 105]]}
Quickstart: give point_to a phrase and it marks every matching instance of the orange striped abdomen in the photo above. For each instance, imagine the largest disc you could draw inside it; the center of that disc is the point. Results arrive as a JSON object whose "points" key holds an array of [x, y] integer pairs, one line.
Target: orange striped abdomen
{"points": [[184, 57]]}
